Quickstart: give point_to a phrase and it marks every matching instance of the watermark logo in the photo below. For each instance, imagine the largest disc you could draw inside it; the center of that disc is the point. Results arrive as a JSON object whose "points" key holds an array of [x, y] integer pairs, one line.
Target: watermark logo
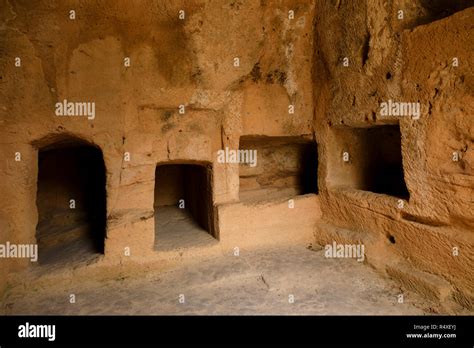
{"points": [[86, 109], [37, 331], [27, 251], [237, 156], [355, 251], [393, 108]]}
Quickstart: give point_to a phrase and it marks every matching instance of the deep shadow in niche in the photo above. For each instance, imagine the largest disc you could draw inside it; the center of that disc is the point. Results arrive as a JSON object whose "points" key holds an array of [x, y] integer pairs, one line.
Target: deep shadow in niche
{"points": [[184, 210], [438, 9], [375, 163], [285, 167], [309, 168], [385, 169], [71, 202]]}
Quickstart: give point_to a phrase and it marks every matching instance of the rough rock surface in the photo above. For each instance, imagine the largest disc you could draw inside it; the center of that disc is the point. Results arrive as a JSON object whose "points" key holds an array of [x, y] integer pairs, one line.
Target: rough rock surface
{"points": [[406, 60], [174, 62], [171, 90], [254, 283]]}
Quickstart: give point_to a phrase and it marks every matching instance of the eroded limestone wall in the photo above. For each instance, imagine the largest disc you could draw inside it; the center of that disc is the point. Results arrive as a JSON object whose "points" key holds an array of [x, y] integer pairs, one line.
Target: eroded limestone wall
{"points": [[170, 89], [426, 241], [235, 67]]}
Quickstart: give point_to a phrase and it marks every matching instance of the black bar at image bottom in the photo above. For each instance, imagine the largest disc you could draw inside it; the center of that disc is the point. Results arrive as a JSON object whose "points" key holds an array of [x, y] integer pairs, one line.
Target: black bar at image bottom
{"points": [[223, 330]]}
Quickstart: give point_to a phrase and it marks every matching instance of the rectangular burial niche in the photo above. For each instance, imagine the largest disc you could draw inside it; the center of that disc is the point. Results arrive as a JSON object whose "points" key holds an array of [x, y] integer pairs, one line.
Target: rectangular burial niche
{"points": [[285, 167], [71, 202], [375, 160], [184, 211]]}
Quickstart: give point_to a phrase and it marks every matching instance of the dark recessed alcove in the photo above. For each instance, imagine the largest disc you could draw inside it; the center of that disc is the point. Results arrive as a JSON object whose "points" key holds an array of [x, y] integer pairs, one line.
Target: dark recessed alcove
{"points": [[375, 160], [71, 201], [285, 167], [184, 213]]}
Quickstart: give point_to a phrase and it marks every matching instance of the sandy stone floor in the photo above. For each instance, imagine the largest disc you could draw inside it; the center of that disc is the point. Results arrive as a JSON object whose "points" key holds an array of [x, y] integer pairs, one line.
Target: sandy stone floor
{"points": [[176, 229], [260, 282]]}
